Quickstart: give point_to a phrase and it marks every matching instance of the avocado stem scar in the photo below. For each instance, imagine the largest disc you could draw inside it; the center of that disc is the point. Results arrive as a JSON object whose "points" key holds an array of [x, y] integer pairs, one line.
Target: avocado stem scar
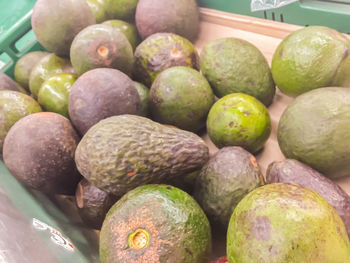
{"points": [[103, 51], [139, 239]]}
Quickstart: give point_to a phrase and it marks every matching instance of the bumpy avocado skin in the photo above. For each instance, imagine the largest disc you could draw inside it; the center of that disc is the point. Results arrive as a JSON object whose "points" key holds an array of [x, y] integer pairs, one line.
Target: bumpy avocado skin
{"points": [[161, 51], [6, 83], [279, 223], [234, 65], [178, 229], [122, 152], [182, 97], [293, 171], [227, 177], [314, 130]]}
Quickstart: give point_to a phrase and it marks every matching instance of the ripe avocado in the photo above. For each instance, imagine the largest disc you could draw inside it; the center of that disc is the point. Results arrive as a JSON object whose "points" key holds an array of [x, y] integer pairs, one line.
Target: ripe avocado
{"points": [[282, 222], [314, 129], [93, 204], [161, 51], [14, 106], [101, 93], [24, 67], [48, 66], [6, 83], [295, 172], [182, 97], [228, 176], [144, 94], [56, 22], [39, 151], [122, 152], [155, 223], [174, 16], [101, 46]]}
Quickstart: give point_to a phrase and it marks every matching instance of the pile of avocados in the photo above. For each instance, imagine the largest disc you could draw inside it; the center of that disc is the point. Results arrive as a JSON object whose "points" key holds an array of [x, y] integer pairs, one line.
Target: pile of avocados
{"points": [[114, 112]]}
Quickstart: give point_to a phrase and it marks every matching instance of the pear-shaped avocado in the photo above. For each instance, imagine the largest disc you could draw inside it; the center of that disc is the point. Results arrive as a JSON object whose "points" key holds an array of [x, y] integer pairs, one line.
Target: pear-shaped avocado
{"points": [[282, 222]]}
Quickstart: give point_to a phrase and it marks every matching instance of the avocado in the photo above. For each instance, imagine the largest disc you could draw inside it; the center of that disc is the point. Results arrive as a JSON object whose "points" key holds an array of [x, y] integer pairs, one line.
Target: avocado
{"points": [[182, 97], [6, 83], [144, 94], [46, 67], [295, 172], [101, 93], [24, 67], [155, 223], [56, 22], [39, 151], [174, 16], [93, 204], [314, 129], [98, 9], [227, 177], [121, 9], [234, 65], [101, 46], [185, 182], [14, 106], [122, 152], [127, 29], [282, 222], [161, 51]]}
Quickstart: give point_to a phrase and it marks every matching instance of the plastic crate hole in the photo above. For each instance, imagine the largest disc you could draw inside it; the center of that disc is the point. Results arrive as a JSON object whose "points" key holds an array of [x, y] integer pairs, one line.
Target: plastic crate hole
{"points": [[273, 16], [265, 15], [4, 60], [27, 39], [281, 17]]}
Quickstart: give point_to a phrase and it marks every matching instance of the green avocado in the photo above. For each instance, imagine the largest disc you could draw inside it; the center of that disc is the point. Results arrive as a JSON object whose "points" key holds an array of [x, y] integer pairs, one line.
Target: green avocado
{"points": [[121, 9], [98, 8], [6, 83], [122, 152], [228, 176], [155, 223], [282, 222], [161, 51], [314, 129], [144, 94]]}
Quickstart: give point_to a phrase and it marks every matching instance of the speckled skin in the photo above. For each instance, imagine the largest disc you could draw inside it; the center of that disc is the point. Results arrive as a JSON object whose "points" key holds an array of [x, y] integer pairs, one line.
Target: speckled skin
{"points": [[228, 176], [144, 94], [174, 16], [47, 67], [6, 83], [56, 22], [93, 204], [239, 120], [161, 51], [14, 106], [293, 171], [121, 9], [85, 54], [25, 65], [101, 93], [182, 97], [39, 152], [314, 129], [234, 65], [179, 230], [122, 152], [279, 223], [310, 58]]}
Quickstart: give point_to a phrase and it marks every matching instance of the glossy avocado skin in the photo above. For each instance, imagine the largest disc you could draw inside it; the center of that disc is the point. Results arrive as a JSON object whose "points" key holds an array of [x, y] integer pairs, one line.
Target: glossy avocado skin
{"points": [[293, 171], [122, 152], [178, 230]]}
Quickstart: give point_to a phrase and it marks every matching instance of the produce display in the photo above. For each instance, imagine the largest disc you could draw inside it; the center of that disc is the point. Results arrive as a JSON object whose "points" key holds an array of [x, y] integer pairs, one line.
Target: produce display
{"points": [[123, 112]]}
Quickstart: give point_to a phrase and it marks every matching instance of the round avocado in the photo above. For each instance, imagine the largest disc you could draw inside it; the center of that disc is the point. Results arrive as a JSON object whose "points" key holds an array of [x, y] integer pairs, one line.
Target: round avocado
{"points": [[174, 16], [314, 130], [6, 83], [279, 223], [98, 9], [144, 94], [43, 144], [228, 176], [24, 67], [155, 223], [121, 9], [234, 65], [101, 46], [101, 93], [161, 51], [310, 58], [127, 29], [182, 97], [122, 152], [239, 120], [56, 22], [54, 92], [48, 66], [14, 106]]}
